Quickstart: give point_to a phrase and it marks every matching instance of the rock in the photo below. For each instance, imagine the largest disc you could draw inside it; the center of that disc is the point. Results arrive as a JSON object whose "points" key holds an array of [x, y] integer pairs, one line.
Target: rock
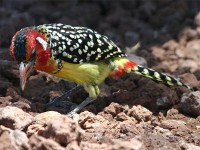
{"points": [[140, 113], [146, 10], [127, 128], [34, 129], [197, 19], [191, 64], [188, 146], [12, 139], [180, 53], [131, 38], [188, 34], [5, 101], [114, 109], [41, 143], [3, 87], [105, 129], [73, 146], [21, 19], [88, 120], [163, 102], [87, 10], [170, 45], [22, 105], [9, 70], [133, 144], [18, 100], [121, 116], [192, 50], [195, 138], [91, 146], [47, 117], [158, 52], [197, 74], [190, 103], [18, 119], [34, 86], [5, 55], [171, 113], [164, 132], [58, 127], [172, 124], [155, 141], [190, 79]]}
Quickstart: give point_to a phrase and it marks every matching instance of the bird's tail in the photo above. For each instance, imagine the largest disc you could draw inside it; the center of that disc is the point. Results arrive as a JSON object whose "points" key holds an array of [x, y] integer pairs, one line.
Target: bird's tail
{"points": [[157, 76]]}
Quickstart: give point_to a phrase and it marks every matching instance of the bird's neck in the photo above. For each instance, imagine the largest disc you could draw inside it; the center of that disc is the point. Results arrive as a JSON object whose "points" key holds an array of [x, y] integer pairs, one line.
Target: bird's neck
{"points": [[44, 62]]}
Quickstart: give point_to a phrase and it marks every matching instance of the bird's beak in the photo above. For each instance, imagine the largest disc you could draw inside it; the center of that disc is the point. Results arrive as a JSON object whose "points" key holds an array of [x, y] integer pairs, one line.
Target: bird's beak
{"points": [[24, 70]]}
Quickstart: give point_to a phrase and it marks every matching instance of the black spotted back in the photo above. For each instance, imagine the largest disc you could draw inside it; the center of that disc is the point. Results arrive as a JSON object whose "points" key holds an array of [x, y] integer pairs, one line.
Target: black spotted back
{"points": [[78, 44]]}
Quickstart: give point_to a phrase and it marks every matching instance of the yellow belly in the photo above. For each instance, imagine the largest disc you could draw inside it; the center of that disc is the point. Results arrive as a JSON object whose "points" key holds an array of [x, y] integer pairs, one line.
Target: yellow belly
{"points": [[84, 73]]}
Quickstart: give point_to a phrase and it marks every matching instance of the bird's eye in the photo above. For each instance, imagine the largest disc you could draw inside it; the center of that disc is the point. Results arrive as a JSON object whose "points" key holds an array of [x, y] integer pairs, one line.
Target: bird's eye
{"points": [[33, 55], [33, 51]]}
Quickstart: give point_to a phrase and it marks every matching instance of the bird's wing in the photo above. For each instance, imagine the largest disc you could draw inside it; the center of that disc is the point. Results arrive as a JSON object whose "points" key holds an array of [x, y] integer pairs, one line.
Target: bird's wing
{"points": [[79, 44]]}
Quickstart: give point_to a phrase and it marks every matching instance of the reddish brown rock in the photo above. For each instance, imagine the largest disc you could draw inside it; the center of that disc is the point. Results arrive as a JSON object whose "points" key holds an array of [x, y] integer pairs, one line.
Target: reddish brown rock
{"points": [[156, 141], [14, 118], [190, 79], [173, 124], [114, 109], [88, 120], [12, 139], [92, 146], [34, 129], [133, 144], [58, 127], [5, 101], [197, 19], [40, 143], [140, 113]]}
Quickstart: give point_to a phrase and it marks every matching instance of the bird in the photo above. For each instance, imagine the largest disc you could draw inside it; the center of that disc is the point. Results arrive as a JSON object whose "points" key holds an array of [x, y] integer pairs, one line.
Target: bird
{"points": [[77, 54]]}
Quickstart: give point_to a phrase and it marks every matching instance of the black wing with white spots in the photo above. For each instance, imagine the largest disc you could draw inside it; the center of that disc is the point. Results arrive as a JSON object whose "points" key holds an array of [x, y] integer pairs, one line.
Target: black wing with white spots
{"points": [[78, 44]]}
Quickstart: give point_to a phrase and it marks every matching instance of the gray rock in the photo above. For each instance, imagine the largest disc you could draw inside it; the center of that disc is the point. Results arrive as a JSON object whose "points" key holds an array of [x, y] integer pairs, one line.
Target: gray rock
{"points": [[190, 103]]}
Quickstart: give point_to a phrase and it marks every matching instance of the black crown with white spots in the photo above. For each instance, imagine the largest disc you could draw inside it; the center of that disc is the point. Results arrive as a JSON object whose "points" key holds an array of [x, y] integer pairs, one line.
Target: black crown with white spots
{"points": [[78, 44]]}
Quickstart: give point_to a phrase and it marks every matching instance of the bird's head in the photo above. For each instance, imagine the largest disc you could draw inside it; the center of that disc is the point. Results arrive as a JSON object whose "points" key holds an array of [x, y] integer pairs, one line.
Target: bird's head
{"points": [[29, 49]]}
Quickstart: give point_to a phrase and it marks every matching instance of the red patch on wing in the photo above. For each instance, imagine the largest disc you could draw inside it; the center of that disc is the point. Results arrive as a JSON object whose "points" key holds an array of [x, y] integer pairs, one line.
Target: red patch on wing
{"points": [[121, 70]]}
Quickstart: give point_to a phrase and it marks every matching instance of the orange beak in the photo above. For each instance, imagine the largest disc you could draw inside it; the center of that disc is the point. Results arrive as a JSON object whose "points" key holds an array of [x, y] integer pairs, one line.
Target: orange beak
{"points": [[24, 70]]}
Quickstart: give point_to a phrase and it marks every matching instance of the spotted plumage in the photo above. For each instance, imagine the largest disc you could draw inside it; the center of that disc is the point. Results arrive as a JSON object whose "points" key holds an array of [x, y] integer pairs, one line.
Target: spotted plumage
{"points": [[78, 44]]}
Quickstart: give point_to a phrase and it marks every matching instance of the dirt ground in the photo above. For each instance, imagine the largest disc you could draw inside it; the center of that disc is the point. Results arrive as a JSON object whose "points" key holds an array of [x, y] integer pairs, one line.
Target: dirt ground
{"points": [[132, 112]]}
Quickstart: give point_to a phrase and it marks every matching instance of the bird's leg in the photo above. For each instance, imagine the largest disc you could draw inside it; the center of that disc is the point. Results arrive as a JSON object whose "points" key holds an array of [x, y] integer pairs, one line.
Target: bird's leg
{"points": [[60, 101], [81, 106], [93, 91]]}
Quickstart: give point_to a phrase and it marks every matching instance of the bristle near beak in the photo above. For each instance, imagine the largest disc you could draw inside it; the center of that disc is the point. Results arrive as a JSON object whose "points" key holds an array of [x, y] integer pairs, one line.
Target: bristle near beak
{"points": [[24, 70]]}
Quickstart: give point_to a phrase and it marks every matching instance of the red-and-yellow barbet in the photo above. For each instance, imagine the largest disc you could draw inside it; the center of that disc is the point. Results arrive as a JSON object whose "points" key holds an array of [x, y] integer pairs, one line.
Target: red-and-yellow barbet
{"points": [[78, 54]]}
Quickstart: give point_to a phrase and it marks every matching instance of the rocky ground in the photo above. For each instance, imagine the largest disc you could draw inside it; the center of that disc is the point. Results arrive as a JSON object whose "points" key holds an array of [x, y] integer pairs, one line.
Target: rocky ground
{"points": [[132, 112]]}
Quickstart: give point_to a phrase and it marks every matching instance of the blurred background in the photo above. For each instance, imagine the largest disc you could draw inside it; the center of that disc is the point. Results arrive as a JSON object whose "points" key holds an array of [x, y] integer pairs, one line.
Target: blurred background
{"points": [[158, 25]]}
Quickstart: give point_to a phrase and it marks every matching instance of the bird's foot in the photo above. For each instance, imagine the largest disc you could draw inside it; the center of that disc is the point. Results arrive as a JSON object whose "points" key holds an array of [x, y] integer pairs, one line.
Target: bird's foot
{"points": [[80, 106], [61, 101]]}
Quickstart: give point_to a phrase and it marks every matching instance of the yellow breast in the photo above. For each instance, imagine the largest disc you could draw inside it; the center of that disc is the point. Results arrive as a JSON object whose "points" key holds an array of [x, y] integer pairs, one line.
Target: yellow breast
{"points": [[84, 73]]}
